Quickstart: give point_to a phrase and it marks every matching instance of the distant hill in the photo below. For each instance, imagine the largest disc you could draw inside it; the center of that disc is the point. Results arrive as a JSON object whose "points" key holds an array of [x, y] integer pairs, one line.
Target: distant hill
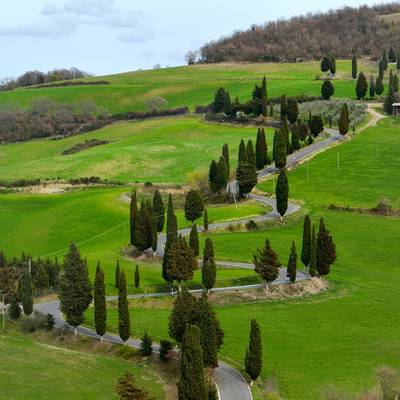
{"points": [[367, 30]]}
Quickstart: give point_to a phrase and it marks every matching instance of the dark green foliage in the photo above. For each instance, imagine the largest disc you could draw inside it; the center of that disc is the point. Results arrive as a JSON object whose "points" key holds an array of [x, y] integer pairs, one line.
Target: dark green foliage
{"points": [[343, 123], [381, 69], [284, 107], [333, 64], [182, 262], [159, 210], [313, 255], [271, 110], [127, 389], [385, 60], [100, 306], [285, 130], [166, 346], [250, 156], [50, 322], [194, 206], [295, 140], [26, 293], [327, 89], [75, 289], [153, 231], [379, 86], [228, 108], [371, 87], [388, 103], [354, 71], [144, 226], [133, 216], [14, 308], [396, 83], [292, 264], [306, 245], [137, 277], [266, 263], [253, 360], [212, 174], [391, 83], [398, 61], [124, 319], [172, 236], [282, 193], [209, 270], [303, 130], [221, 178], [225, 154], [41, 278], [219, 100], [292, 110], [316, 125], [326, 250], [264, 97], [205, 222], [361, 86], [117, 273], [242, 155], [275, 146], [146, 345], [261, 149], [280, 149], [246, 176], [325, 64], [191, 385], [194, 240], [391, 55]]}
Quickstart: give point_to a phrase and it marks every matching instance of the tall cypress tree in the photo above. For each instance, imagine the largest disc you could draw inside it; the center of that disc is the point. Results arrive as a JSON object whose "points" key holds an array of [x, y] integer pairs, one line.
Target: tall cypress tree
{"points": [[379, 86], [242, 155], [228, 109], [253, 360], [326, 250], [391, 55], [212, 174], [343, 123], [159, 210], [75, 289], [246, 176], [117, 274], [282, 193], [332, 66], [205, 222], [225, 154], [100, 308], [221, 178], [306, 245], [398, 61], [264, 98], [385, 60], [26, 293], [313, 254], [172, 236], [194, 240], [354, 71], [124, 319], [261, 149], [284, 107], [295, 140], [251, 158], [194, 206], [292, 264], [137, 277], [292, 110], [362, 86], [209, 270], [391, 83], [219, 100], [133, 216], [266, 263], [285, 130], [371, 87], [143, 227], [280, 149], [191, 385], [381, 69]]}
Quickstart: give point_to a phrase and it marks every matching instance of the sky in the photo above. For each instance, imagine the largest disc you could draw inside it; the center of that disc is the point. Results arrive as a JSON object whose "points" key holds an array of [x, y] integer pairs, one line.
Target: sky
{"points": [[111, 36]]}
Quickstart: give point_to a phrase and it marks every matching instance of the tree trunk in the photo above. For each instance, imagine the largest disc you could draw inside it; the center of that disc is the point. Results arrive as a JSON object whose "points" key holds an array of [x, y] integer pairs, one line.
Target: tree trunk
{"points": [[75, 330]]}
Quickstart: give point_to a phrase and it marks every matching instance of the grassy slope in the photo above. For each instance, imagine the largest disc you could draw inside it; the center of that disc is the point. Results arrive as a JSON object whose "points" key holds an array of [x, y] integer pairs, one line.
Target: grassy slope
{"points": [[34, 370], [195, 85], [162, 150]]}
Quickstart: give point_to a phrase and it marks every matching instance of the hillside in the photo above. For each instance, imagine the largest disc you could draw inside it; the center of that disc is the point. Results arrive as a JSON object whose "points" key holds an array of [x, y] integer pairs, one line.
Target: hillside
{"points": [[365, 29]]}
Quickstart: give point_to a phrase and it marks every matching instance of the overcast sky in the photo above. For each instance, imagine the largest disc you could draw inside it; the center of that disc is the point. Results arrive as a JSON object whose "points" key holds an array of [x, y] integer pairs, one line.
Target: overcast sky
{"points": [[110, 36]]}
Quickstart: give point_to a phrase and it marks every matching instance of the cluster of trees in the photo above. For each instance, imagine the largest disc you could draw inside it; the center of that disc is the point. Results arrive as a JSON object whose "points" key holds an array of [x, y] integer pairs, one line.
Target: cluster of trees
{"points": [[310, 37], [393, 93], [328, 63], [32, 78], [219, 172], [47, 118]]}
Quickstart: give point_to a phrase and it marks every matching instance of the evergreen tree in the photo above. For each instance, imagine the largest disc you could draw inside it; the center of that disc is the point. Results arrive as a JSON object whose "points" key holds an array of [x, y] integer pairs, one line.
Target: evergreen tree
{"points": [[228, 108], [362, 86], [194, 206], [332, 64], [326, 250], [14, 308], [395, 83], [398, 61], [354, 71], [282, 193], [391, 83], [127, 389], [280, 149], [221, 179], [284, 107], [295, 141], [225, 154], [246, 176], [191, 385], [292, 264], [205, 223], [343, 123], [143, 227], [250, 156], [100, 307], [388, 103], [313, 254], [209, 270], [75, 289], [327, 89], [219, 100], [146, 345], [303, 130], [137, 277], [182, 262], [194, 240], [266, 263], [154, 233], [306, 245], [391, 55], [285, 130], [159, 210], [212, 174], [264, 97], [325, 64], [316, 125], [26, 293], [261, 149], [124, 319], [292, 110], [371, 87], [379, 87], [50, 322], [385, 60], [242, 154], [253, 360], [172, 236], [117, 273], [275, 146], [271, 109], [381, 69], [133, 216]]}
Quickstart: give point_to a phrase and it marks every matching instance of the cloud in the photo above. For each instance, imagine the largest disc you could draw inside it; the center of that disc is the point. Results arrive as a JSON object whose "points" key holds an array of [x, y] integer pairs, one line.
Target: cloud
{"points": [[93, 8], [136, 36]]}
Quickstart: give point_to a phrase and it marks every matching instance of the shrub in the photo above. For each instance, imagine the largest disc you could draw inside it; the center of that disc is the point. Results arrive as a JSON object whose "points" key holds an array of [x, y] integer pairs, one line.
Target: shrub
{"points": [[50, 322], [126, 352], [33, 323], [383, 207], [251, 225], [166, 347], [146, 346]]}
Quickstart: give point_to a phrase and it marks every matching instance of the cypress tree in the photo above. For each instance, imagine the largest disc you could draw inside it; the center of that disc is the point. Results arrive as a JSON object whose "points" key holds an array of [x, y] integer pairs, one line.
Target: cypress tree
{"points": [[117, 274], [266, 263], [371, 87], [146, 345], [280, 149], [316, 125], [212, 174], [343, 123], [332, 66], [303, 130], [327, 89], [246, 176], [205, 223], [194, 206], [228, 109], [292, 264], [26, 293], [385, 60], [159, 210], [194, 240], [379, 87], [292, 110], [391, 83], [75, 289], [325, 64], [219, 100], [209, 270], [221, 178], [282, 193], [251, 158], [137, 277], [172, 236], [381, 69], [395, 83], [275, 146], [306, 245], [242, 155], [388, 103], [326, 250], [295, 140], [391, 55], [362, 86], [143, 227], [225, 154], [398, 61], [261, 149], [313, 254], [284, 107], [124, 319], [285, 130], [154, 233], [253, 360], [100, 308], [133, 216], [14, 308], [191, 385], [354, 71], [264, 97]]}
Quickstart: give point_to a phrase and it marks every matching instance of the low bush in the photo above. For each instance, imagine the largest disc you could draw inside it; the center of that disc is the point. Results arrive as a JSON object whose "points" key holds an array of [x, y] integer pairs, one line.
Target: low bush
{"points": [[166, 347], [126, 352], [138, 115], [251, 225], [20, 183], [87, 144], [35, 322]]}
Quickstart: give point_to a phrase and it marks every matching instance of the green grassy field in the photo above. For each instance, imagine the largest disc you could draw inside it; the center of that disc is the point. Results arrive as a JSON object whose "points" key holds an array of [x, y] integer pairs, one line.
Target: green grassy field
{"points": [[196, 85], [162, 150], [37, 370]]}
